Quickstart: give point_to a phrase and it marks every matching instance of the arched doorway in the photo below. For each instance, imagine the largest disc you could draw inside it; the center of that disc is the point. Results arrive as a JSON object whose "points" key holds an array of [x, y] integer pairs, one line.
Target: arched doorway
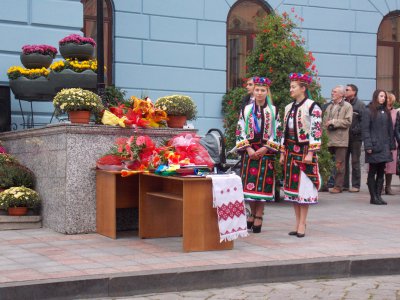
{"points": [[388, 52], [241, 30], [90, 29]]}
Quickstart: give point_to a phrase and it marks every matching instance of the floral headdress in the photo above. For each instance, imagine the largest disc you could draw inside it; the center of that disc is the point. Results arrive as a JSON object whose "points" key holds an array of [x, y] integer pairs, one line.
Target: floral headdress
{"points": [[300, 77], [262, 81]]}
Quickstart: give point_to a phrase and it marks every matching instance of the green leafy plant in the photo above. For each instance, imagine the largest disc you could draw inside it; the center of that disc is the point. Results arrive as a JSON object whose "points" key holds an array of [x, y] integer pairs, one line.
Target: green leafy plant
{"points": [[231, 105], [15, 174], [114, 96], [19, 197], [279, 51], [178, 105], [77, 99]]}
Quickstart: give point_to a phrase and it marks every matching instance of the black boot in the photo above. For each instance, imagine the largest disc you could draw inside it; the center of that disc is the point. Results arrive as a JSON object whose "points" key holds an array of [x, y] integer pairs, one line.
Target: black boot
{"points": [[372, 192], [379, 188]]}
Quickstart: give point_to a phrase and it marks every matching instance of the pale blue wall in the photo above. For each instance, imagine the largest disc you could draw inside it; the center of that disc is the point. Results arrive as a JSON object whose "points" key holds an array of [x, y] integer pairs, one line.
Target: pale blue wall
{"points": [[34, 22], [174, 46], [179, 46]]}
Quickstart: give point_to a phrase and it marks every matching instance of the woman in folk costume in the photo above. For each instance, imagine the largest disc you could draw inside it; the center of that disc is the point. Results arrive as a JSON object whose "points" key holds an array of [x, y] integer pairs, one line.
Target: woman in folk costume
{"points": [[301, 139], [258, 137]]}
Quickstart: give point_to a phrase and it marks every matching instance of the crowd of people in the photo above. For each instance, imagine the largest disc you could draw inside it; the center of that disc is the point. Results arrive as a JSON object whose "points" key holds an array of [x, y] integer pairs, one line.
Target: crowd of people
{"points": [[262, 138]]}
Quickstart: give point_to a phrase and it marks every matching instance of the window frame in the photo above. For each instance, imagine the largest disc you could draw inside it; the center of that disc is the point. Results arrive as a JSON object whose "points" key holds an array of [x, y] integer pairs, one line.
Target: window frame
{"points": [[396, 52], [109, 38], [247, 33]]}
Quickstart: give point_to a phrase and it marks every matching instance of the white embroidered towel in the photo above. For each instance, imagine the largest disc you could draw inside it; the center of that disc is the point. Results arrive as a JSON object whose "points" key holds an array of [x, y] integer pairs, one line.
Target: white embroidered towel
{"points": [[229, 201]]}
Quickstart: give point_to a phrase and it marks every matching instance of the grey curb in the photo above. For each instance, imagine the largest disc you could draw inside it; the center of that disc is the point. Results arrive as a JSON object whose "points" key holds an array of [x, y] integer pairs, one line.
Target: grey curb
{"points": [[184, 279]]}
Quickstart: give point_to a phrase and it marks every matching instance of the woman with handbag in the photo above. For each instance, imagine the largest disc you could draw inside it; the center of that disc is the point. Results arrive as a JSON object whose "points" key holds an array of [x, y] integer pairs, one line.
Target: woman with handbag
{"points": [[258, 138], [378, 138], [301, 140]]}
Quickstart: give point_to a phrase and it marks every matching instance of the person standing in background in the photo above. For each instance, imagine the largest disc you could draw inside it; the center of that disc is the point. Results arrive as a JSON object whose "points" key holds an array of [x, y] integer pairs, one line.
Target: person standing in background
{"points": [[249, 98], [391, 166], [355, 141], [378, 138], [337, 120]]}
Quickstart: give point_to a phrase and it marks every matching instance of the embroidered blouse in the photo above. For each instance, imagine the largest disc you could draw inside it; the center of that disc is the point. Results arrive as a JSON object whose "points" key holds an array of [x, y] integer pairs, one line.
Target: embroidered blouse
{"points": [[306, 123], [263, 125]]}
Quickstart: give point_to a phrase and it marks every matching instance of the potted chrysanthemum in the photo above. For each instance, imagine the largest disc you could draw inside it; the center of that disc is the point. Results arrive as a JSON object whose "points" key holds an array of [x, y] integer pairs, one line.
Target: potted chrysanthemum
{"points": [[29, 83], [76, 46], [72, 73], [17, 200], [179, 108], [37, 56], [78, 103]]}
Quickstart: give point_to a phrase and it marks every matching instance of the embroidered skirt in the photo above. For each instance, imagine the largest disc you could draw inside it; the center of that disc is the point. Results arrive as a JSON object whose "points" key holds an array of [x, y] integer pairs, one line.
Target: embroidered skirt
{"points": [[301, 181], [258, 176]]}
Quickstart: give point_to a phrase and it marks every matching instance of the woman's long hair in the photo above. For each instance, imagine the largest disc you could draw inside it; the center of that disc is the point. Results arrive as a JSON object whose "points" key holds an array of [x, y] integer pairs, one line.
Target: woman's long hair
{"points": [[374, 104]]}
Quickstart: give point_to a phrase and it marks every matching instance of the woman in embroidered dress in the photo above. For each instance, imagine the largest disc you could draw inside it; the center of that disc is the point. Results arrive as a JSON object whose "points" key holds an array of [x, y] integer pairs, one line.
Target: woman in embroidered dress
{"points": [[258, 137], [300, 141]]}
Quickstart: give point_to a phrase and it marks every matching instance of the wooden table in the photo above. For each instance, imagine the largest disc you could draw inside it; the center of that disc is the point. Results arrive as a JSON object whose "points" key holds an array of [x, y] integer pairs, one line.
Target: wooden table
{"points": [[112, 192], [169, 206], [179, 206]]}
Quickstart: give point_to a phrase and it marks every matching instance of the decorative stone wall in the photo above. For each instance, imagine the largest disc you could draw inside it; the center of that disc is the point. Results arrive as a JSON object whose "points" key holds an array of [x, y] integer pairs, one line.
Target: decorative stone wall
{"points": [[63, 158]]}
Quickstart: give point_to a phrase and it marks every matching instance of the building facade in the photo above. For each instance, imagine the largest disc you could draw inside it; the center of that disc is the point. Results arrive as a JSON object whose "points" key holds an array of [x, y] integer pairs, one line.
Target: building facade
{"points": [[161, 47]]}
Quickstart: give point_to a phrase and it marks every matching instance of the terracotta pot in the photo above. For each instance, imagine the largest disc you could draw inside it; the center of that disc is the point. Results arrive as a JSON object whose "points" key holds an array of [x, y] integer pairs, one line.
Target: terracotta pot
{"points": [[17, 211], [36, 60], [80, 52], [79, 116], [176, 121]]}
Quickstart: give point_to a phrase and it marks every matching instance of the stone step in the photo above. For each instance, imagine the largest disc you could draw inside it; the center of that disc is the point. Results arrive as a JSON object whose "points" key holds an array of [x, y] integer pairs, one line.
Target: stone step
{"points": [[20, 222]]}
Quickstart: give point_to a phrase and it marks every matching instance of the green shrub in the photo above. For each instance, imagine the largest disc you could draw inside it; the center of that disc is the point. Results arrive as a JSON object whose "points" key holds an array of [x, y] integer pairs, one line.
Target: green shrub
{"points": [[13, 174]]}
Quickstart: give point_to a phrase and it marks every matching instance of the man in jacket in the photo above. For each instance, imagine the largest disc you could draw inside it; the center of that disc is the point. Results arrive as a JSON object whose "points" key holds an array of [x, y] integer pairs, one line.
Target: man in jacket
{"points": [[337, 120], [355, 141]]}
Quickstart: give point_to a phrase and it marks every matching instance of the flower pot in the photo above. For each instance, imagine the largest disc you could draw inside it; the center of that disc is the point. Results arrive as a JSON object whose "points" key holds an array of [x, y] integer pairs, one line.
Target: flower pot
{"points": [[17, 211], [80, 52], [32, 89], [70, 79], [176, 121], [79, 116], [36, 60]]}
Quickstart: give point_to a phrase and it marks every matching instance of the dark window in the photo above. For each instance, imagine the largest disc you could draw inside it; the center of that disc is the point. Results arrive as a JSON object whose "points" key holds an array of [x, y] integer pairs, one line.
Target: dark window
{"points": [[241, 30], [90, 29], [387, 62]]}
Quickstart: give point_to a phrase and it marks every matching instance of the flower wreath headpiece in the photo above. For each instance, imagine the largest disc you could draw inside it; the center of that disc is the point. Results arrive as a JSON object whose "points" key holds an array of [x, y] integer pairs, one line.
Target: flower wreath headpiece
{"points": [[300, 77], [262, 81]]}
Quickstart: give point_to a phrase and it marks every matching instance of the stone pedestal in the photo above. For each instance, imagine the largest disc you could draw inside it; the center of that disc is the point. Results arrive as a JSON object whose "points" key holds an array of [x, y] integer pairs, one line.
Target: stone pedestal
{"points": [[63, 158]]}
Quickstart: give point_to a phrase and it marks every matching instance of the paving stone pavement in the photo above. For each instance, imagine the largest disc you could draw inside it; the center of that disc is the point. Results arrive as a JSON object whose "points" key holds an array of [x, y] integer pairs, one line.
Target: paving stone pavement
{"points": [[371, 288], [341, 226]]}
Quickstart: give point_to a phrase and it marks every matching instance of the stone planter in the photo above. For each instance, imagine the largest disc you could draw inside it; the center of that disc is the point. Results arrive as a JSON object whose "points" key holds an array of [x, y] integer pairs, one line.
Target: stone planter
{"points": [[80, 52], [70, 79], [32, 89], [36, 60]]}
